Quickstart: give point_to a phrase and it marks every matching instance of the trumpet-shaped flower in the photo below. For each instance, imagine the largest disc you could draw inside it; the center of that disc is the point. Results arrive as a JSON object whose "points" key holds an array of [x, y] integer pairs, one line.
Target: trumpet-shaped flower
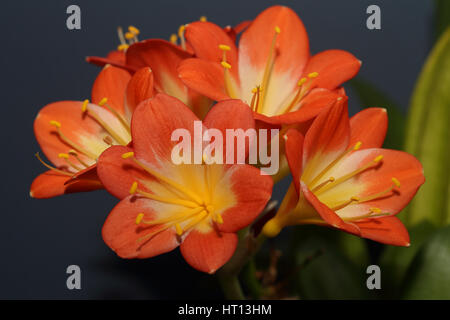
{"points": [[271, 69], [198, 207], [343, 179], [73, 134]]}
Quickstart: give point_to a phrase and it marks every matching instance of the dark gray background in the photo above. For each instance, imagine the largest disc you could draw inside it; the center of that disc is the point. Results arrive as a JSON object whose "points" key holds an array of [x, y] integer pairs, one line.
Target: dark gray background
{"points": [[42, 62]]}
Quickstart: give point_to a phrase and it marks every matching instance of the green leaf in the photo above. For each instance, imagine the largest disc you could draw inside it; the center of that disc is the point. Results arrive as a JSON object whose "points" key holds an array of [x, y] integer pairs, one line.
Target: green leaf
{"points": [[395, 261], [324, 271], [370, 96], [428, 136], [442, 16], [429, 274]]}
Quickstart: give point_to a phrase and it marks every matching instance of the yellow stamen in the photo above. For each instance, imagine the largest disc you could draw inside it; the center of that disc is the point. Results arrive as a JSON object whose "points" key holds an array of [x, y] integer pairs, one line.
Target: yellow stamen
{"points": [[75, 154], [181, 30], [100, 121], [219, 218], [345, 203], [129, 36], [178, 229], [351, 174], [84, 105], [313, 75], [103, 102], [65, 156], [224, 47], [315, 189], [160, 177], [334, 162], [173, 38], [268, 70], [226, 65], [301, 81], [301, 92], [52, 168], [134, 30], [120, 35], [123, 47], [396, 182], [70, 142], [180, 202], [133, 187], [203, 19], [139, 218]]}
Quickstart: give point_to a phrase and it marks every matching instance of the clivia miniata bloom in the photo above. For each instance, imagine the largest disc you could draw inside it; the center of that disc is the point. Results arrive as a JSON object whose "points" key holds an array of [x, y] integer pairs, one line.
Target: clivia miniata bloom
{"points": [[198, 207], [271, 69], [342, 178], [73, 134]]}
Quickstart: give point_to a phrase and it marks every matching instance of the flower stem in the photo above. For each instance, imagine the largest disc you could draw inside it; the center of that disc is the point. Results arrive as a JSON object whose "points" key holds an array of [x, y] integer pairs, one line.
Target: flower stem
{"points": [[230, 286]]}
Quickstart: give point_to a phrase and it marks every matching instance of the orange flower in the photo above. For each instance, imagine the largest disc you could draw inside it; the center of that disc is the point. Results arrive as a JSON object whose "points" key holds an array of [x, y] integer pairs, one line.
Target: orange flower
{"points": [[271, 69], [196, 206], [73, 134], [343, 179]]}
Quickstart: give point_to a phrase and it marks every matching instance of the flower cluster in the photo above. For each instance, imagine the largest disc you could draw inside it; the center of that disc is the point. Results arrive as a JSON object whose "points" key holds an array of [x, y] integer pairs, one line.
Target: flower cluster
{"points": [[122, 140]]}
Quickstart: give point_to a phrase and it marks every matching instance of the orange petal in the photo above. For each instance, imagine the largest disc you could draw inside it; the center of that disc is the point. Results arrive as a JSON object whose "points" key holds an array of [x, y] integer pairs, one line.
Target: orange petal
{"points": [[205, 77], [310, 106], [292, 53], [369, 127], [118, 174], [205, 38], [51, 184], [122, 235], [387, 230], [75, 124], [153, 124], [111, 84], [207, 252], [252, 191], [139, 88], [394, 164], [163, 58], [294, 153], [327, 138], [219, 118], [334, 67]]}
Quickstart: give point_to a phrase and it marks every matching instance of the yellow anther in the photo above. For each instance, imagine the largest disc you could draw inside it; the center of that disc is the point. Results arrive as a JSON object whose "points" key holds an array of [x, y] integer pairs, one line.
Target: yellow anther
{"points": [[63, 155], [396, 182], [331, 179], [254, 90], [133, 188], [301, 81], [181, 30], [127, 155], [378, 159], [129, 36], [139, 218], [357, 145], [55, 123], [226, 65], [313, 75], [219, 218], [72, 152], [85, 104], [203, 19], [122, 47], [178, 229], [134, 30], [277, 29], [224, 47], [354, 199], [103, 102], [209, 208], [375, 210], [173, 38]]}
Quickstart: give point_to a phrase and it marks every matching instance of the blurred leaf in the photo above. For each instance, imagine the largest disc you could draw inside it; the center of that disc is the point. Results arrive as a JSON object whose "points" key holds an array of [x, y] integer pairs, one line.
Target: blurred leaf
{"points": [[429, 274], [428, 136], [354, 248], [394, 261], [325, 272], [372, 97], [442, 16]]}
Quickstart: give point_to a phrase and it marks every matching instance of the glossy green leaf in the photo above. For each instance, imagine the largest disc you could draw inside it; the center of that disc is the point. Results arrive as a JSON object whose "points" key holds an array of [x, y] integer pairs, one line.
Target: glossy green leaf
{"points": [[429, 274], [370, 96], [442, 16], [428, 136], [395, 261], [325, 272]]}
